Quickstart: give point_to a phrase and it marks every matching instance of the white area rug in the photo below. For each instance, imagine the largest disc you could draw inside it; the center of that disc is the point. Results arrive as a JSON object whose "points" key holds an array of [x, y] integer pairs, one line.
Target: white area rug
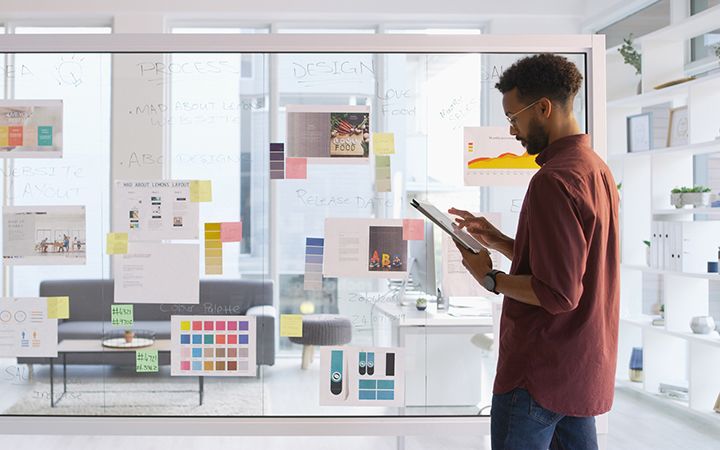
{"points": [[143, 396]]}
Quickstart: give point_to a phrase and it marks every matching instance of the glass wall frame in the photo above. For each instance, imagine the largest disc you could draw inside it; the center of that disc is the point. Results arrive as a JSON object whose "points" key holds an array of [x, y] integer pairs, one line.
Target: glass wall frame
{"points": [[592, 47]]}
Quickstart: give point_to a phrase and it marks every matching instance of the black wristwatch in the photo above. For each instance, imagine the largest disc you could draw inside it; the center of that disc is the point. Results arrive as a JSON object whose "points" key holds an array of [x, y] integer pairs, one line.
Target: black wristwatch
{"points": [[490, 281]]}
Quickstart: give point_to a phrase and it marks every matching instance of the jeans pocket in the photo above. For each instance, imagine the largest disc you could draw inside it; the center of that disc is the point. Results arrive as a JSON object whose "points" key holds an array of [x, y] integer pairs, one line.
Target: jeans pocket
{"points": [[542, 415]]}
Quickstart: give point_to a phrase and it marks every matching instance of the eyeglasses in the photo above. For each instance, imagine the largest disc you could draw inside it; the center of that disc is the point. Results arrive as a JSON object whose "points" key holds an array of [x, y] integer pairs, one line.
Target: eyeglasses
{"points": [[512, 117]]}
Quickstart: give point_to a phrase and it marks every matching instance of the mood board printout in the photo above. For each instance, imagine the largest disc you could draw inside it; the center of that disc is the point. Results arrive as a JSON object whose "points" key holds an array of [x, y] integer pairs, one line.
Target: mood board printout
{"points": [[222, 346], [324, 131], [493, 157], [39, 235], [362, 376], [31, 128], [152, 272], [25, 329], [370, 248], [155, 210]]}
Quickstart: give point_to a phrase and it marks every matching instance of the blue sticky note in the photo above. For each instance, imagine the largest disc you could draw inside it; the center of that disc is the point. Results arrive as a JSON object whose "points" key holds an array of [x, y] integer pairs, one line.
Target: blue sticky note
{"points": [[197, 339], [197, 365], [197, 352], [184, 338], [385, 395], [366, 395], [242, 338]]}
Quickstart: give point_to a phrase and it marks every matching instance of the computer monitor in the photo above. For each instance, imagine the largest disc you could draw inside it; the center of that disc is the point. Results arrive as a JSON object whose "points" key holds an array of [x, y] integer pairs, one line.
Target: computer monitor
{"points": [[422, 263]]}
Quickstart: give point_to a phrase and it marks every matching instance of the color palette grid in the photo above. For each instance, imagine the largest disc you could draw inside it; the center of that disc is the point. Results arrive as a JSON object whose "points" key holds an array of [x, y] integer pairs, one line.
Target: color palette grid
{"points": [[277, 161], [213, 346], [382, 174], [213, 249], [376, 390], [26, 136], [313, 263]]}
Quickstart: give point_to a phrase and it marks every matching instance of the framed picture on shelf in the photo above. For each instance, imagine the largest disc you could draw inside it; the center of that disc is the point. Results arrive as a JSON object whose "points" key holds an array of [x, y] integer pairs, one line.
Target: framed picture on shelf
{"points": [[639, 132], [678, 133]]}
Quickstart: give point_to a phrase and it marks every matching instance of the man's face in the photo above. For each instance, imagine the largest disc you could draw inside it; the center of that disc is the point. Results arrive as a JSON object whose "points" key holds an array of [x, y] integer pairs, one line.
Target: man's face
{"points": [[527, 126]]}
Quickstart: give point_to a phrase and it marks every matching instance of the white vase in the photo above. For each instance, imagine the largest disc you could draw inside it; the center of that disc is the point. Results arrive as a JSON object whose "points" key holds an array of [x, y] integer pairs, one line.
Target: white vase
{"points": [[702, 324]]}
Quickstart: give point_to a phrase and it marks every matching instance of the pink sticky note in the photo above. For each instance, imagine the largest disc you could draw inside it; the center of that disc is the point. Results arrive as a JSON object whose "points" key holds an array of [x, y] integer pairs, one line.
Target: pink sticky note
{"points": [[413, 230], [295, 168], [231, 232]]}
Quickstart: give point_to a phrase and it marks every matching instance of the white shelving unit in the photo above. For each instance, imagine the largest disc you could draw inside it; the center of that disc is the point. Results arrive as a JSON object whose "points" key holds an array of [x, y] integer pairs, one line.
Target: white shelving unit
{"points": [[671, 352]]}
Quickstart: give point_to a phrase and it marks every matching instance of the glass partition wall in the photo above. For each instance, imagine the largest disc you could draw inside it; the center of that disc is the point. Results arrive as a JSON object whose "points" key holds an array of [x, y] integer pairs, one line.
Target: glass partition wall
{"points": [[220, 227]]}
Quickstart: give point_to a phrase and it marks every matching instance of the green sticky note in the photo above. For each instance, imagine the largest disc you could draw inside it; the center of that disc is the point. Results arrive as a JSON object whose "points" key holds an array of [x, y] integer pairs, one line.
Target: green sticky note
{"points": [[382, 161], [121, 315], [146, 361], [45, 136]]}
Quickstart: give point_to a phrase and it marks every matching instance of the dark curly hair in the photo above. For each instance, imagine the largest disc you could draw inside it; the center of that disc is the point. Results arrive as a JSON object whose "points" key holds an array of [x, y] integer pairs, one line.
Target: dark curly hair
{"points": [[543, 75]]}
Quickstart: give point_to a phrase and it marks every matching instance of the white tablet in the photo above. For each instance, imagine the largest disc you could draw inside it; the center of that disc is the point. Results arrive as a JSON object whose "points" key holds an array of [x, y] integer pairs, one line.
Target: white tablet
{"points": [[459, 235]]}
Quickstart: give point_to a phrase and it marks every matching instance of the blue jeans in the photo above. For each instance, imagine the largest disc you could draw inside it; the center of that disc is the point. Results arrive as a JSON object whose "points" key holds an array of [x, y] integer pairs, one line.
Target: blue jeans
{"points": [[517, 422]]}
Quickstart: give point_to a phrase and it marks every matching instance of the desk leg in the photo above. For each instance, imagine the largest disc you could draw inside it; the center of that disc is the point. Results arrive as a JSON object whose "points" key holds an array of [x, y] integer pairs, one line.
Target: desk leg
{"points": [[52, 390], [201, 390]]}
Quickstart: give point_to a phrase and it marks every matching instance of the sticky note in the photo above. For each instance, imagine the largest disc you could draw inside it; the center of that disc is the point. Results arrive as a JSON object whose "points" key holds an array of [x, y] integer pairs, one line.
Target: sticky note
{"points": [[383, 185], [58, 307], [231, 232], [413, 230], [383, 143], [4, 136], [295, 168], [45, 136], [200, 191], [146, 361], [291, 325], [117, 243], [382, 161], [122, 315]]}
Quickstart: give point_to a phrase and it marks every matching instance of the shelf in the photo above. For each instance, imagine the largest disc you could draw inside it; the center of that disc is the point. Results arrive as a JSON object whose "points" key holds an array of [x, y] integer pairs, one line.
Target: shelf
{"points": [[700, 148], [646, 322], [698, 24], [646, 269], [686, 211], [710, 416], [660, 95]]}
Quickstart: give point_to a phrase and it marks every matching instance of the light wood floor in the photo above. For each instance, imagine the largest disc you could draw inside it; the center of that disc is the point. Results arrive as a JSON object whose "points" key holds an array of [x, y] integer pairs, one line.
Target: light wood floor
{"points": [[636, 423]]}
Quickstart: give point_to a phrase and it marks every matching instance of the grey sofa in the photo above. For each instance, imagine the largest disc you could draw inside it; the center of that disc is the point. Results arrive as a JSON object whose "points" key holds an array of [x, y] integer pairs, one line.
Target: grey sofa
{"points": [[90, 302]]}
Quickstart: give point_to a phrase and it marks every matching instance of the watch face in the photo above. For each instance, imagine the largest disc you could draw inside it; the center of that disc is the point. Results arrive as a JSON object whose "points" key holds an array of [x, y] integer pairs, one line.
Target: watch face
{"points": [[488, 283]]}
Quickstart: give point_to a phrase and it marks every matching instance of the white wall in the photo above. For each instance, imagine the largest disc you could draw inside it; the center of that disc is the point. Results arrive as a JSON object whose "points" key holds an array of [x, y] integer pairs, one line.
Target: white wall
{"points": [[509, 16]]}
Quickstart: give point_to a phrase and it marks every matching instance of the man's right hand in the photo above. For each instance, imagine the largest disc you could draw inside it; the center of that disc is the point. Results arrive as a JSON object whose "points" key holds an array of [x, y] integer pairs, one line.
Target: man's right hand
{"points": [[481, 229]]}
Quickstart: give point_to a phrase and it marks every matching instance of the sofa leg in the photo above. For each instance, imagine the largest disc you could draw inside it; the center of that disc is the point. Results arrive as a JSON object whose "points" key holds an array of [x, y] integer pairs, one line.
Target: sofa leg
{"points": [[307, 356]]}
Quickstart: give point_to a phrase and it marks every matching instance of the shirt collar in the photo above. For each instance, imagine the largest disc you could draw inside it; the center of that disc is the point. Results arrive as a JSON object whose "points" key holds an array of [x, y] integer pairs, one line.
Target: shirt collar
{"points": [[581, 141]]}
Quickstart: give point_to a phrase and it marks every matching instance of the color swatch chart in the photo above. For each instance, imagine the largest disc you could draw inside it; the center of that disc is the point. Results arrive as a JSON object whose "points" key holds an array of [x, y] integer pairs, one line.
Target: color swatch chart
{"points": [[213, 346], [18, 136], [362, 376], [313, 263], [277, 161]]}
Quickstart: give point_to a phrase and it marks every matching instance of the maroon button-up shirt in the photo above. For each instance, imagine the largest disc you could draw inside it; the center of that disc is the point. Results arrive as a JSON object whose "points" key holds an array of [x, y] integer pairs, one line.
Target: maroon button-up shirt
{"points": [[564, 352]]}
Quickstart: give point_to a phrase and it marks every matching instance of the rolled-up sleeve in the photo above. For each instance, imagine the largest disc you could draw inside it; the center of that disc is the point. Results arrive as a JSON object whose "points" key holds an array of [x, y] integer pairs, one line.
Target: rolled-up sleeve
{"points": [[558, 249]]}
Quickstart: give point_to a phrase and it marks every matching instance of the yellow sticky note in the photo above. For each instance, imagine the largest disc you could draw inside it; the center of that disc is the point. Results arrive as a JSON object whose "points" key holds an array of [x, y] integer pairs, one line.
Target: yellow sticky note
{"points": [[383, 143], [117, 243], [291, 325], [58, 307], [185, 325], [200, 191]]}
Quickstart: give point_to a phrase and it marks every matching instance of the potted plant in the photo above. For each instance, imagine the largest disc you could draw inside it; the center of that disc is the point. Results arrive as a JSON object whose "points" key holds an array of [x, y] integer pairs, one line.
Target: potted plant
{"points": [[632, 57], [694, 196]]}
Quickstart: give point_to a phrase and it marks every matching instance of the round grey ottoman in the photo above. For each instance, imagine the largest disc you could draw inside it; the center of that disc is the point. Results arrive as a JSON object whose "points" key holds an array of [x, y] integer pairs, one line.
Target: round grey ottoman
{"points": [[322, 329]]}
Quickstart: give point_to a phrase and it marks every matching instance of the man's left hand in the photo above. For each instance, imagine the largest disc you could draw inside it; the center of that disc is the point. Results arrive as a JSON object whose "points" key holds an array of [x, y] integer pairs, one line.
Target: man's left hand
{"points": [[477, 264]]}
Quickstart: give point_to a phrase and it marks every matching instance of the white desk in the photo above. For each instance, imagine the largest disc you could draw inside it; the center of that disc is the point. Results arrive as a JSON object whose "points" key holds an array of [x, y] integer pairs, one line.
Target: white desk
{"points": [[443, 366]]}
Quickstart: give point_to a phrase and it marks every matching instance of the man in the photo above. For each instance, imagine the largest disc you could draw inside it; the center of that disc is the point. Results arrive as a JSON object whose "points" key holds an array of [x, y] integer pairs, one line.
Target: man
{"points": [[559, 324]]}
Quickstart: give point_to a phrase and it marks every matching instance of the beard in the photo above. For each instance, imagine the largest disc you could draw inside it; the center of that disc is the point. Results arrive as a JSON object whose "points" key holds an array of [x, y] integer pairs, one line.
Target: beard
{"points": [[537, 138]]}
